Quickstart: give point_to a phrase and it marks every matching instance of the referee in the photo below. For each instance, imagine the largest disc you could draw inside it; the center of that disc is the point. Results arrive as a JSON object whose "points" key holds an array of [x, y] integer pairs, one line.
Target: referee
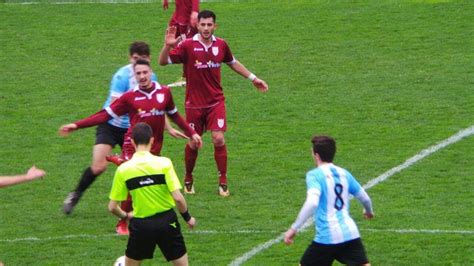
{"points": [[155, 190]]}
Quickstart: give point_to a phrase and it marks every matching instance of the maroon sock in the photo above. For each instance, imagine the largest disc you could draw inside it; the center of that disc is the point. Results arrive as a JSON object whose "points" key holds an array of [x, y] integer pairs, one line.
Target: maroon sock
{"points": [[220, 155], [190, 157]]}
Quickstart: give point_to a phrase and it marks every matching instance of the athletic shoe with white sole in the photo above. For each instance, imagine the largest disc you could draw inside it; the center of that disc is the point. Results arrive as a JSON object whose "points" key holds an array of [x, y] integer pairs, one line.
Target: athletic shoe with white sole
{"points": [[71, 201], [223, 190], [189, 188]]}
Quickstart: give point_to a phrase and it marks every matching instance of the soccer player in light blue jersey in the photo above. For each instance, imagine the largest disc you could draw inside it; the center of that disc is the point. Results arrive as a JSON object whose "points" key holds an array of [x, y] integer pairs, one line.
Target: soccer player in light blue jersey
{"points": [[328, 189], [111, 134]]}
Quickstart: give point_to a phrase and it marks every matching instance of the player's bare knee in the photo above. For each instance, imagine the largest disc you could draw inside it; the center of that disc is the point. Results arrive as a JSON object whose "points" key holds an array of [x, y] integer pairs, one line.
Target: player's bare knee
{"points": [[98, 168], [218, 140]]}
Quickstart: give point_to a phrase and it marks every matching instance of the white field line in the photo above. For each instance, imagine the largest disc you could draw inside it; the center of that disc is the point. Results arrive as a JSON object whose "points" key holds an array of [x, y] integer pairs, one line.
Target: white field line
{"points": [[215, 232], [81, 2], [409, 162]]}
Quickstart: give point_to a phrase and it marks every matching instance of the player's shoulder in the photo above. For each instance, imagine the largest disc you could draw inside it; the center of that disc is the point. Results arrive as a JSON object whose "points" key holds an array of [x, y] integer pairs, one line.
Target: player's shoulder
{"points": [[314, 173], [124, 72]]}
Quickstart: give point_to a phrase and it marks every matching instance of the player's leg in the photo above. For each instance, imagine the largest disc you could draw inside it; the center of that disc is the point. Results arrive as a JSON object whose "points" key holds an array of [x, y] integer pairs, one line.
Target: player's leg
{"points": [[352, 253], [106, 139], [127, 152], [169, 238], [216, 122], [141, 244], [318, 254], [194, 119], [183, 261], [132, 262]]}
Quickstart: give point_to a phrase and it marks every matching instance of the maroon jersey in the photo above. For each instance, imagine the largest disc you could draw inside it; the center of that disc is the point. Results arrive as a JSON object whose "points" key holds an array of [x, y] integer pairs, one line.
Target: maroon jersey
{"points": [[203, 70], [183, 11], [149, 107]]}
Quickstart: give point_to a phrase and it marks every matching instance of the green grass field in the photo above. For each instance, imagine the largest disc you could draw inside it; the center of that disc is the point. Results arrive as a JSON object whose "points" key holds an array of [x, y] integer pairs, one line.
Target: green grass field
{"points": [[387, 79]]}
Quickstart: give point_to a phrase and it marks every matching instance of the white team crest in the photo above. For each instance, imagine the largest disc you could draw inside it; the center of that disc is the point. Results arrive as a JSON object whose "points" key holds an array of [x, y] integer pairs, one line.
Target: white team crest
{"points": [[160, 97], [220, 123], [215, 50]]}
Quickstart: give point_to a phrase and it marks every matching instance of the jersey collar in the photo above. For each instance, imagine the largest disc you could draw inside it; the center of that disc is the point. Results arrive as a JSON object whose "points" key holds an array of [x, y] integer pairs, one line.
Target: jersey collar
{"points": [[156, 86], [196, 39]]}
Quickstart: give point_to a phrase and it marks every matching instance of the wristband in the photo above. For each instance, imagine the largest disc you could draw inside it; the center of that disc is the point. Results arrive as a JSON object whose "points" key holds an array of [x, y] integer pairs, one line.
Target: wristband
{"points": [[251, 76], [186, 216]]}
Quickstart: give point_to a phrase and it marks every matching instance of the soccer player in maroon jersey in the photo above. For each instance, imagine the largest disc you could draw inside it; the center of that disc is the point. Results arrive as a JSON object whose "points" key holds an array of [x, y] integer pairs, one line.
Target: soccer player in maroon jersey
{"points": [[148, 102], [184, 19], [202, 56]]}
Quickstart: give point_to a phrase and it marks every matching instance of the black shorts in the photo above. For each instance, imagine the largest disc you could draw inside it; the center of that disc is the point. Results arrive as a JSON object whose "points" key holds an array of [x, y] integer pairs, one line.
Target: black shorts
{"points": [[108, 134], [350, 253], [161, 229]]}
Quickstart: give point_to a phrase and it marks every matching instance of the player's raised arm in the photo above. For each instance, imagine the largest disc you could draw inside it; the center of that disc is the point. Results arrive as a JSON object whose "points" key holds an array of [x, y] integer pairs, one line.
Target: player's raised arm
{"points": [[239, 68], [170, 42]]}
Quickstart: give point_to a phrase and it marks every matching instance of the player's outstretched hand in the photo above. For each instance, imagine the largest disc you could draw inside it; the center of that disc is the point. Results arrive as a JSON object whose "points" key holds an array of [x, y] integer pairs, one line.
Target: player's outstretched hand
{"points": [[65, 130], [290, 236], [165, 4], [260, 84], [177, 134], [197, 140], [35, 173], [170, 37], [191, 223]]}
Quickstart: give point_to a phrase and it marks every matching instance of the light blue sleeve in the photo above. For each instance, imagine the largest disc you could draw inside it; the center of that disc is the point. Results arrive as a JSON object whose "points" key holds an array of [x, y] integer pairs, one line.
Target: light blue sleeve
{"points": [[312, 180], [119, 84], [354, 186]]}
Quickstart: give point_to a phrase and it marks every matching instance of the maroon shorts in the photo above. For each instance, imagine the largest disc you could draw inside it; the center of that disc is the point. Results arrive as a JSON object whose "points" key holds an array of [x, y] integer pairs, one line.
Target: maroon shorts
{"points": [[210, 118]]}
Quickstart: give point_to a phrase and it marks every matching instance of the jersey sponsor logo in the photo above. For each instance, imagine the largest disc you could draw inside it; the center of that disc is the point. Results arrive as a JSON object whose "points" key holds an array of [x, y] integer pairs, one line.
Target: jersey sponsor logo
{"points": [[152, 112], [160, 97], [140, 98], [199, 49], [209, 64], [220, 123], [215, 50], [147, 181], [144, 181]]}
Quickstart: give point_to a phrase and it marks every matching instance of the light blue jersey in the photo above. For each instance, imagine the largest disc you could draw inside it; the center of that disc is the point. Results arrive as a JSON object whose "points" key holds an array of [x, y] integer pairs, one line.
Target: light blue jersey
{"points": [[332, 220], [122, 81]]}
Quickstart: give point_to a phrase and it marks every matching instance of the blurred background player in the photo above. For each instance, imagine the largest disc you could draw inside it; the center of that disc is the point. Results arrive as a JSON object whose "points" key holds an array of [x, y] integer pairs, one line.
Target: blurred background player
{"points": [[147, 102], [184, 19], [32, 174], [202, 56], [155, 190], [327, 199]]}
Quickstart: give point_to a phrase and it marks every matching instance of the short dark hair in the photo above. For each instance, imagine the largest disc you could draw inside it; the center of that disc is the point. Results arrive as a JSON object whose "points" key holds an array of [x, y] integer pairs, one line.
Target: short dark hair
{"points": [[207, 14], [141, 62], [140, 48], [142, 133], [325, 147]]}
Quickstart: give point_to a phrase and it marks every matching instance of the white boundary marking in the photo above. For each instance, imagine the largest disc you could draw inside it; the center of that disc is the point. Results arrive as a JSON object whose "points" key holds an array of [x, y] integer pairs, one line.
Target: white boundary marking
{"points": [[215, 232], [419, 156], [81, 2]]}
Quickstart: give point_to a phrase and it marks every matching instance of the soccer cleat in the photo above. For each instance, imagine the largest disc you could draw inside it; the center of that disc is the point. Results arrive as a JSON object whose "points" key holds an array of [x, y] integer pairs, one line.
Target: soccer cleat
{"points": [[223, 190], [71, 201], [122, 227], [179, 83], [115, 159], [189, 187]]}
